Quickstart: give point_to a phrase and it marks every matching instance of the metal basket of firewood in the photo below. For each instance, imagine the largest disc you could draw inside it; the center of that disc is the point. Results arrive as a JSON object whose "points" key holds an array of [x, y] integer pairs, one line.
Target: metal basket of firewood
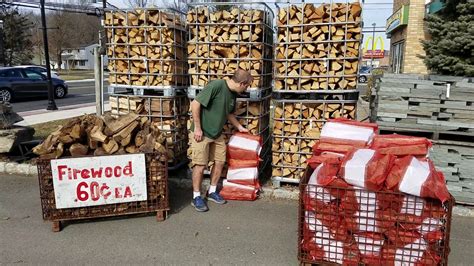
{"points": [[146, 48], [226, 36], [317, 46], [101, 188]]}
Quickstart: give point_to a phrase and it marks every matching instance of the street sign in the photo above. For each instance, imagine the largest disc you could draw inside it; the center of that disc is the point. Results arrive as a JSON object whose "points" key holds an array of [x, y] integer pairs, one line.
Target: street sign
{"points": [[92, 181]]}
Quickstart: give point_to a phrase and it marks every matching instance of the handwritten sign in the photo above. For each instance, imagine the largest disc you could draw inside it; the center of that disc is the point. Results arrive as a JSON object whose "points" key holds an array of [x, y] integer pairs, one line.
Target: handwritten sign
{"points": [[92, 181]]}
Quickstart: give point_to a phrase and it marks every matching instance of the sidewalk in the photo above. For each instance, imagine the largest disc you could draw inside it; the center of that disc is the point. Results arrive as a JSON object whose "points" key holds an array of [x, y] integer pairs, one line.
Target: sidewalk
{"points": [[41, 116], [263, 232]]}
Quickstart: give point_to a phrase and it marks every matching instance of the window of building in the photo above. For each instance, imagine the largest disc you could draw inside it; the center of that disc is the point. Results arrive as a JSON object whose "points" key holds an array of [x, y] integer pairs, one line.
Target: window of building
{"points": [[397, 57]]}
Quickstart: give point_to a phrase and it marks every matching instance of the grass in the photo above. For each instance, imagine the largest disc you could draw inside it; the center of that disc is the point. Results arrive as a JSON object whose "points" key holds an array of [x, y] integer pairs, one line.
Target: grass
{"points": [[76, 74], [44, 129]]}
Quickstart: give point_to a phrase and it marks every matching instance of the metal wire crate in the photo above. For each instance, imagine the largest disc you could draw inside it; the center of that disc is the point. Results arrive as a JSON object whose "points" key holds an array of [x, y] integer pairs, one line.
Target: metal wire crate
{"points": [[356, 226], [226, 36], [146, 49], [318, 46], [169, 114], [157, 195]]}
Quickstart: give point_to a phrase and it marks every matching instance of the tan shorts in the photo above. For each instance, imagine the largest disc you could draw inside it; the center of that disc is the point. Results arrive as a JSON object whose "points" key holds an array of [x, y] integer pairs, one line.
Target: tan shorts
{"points": [[207, 150]]}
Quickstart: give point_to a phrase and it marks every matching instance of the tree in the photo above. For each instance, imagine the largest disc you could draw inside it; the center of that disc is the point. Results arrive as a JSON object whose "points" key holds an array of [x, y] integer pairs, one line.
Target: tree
{"points": [[450, 51], [16, 36], [140, 3], [71, 30]]}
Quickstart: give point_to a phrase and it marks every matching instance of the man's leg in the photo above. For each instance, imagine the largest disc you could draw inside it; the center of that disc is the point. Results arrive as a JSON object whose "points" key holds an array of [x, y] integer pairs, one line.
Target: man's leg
{"points": [[198, 172], [217, 153], [216, 172], [200, 158]]}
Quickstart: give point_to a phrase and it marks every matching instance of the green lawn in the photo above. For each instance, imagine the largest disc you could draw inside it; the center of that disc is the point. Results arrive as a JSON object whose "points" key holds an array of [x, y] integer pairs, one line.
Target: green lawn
{"points": [[76, 74]]}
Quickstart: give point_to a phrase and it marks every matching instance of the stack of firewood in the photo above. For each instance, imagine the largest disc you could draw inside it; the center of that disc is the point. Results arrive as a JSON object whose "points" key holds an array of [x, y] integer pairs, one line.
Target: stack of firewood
{"points": [[169, 114], [318, 47], [221, 41], [296, 127], [316, 65], [146, 47], [94, 135]]}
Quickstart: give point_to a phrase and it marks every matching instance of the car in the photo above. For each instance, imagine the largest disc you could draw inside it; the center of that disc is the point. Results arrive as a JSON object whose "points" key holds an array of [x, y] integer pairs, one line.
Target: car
{"points": [[41, 69], [18, 82], [364, 73]]}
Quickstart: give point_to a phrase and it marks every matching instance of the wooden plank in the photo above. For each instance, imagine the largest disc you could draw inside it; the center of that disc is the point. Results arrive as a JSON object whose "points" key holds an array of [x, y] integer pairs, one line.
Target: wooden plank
{"points": [[453, 124]]}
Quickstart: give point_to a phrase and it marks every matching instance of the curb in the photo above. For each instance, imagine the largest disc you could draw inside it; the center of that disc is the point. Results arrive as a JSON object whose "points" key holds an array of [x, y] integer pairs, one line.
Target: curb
{"points": [[268, 192]]}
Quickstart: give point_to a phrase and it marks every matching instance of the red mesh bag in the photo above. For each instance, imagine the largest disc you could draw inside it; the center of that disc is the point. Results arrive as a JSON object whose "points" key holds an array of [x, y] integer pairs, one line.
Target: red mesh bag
{"points": [[370, 247], [320, 147], [244, 146], [245, 176], [417, 177], [232, 191], [323, 176], [416, 253], [377, 221], [329, 158], [366, 168], [348, 132], [401, 145], [324, 244], [235, 163]]}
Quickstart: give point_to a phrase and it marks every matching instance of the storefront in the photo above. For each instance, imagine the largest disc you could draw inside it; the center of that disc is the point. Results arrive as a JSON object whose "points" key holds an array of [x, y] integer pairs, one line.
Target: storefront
{"points": [[406, 30]]}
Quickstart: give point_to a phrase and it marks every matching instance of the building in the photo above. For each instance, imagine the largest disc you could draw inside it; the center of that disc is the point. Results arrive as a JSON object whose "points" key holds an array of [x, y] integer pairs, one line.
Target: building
{"points": [[78, 58], [406, 29]]}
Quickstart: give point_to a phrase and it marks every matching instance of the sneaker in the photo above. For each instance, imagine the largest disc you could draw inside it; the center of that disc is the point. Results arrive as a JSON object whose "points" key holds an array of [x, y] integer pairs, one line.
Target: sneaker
{"points": [[215, 197], [199, 204]]}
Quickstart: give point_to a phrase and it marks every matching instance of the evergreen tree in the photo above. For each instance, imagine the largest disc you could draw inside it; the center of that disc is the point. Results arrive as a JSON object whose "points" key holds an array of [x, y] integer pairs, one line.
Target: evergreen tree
{"points": [[16, 37], [451, 48]]}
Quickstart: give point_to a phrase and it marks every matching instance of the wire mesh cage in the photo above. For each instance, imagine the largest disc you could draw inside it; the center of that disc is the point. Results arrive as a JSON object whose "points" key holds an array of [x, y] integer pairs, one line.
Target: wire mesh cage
{"points": [[318, 46], [297, 125], [355, 226], [226, 36], [168, 114], [157, 194], [146, 48]]}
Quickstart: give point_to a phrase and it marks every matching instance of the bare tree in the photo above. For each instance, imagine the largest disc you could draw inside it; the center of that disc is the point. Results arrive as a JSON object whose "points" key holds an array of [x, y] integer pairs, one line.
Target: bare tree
{"points": [[140, 3]]}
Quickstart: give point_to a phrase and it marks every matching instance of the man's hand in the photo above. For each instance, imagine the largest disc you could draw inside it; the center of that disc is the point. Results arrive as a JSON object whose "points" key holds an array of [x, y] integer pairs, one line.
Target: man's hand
{"points": [[243, 129], [198, 134]]}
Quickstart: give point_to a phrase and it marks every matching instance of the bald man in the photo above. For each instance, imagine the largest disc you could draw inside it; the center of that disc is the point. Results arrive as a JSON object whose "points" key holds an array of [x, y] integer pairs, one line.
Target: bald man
{"points": [[211, 109]]}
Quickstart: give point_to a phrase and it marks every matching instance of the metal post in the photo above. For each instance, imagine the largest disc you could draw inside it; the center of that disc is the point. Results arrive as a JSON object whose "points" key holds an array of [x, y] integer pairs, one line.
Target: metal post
{"points": [[373, 48], [51, 102], [97, 76], [2, 51]]}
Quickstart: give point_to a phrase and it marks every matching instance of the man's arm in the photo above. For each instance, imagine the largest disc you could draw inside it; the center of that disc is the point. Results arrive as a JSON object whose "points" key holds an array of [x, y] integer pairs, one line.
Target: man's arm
{"points": [[236, 124], [196, 111]]}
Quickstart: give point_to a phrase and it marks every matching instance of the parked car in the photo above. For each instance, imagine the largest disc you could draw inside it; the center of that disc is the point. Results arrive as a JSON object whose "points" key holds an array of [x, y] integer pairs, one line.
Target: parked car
{"points": [[41, 69], [364, 73], [18, 82]]}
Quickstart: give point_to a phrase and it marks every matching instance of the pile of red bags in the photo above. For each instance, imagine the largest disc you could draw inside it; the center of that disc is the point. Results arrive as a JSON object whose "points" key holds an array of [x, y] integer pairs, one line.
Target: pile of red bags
{"points": [[243, 152], [353, 209]]}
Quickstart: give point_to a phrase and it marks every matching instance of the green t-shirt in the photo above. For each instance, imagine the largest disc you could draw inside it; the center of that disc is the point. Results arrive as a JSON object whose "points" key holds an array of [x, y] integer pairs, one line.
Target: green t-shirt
{"points": [[217, 101]]}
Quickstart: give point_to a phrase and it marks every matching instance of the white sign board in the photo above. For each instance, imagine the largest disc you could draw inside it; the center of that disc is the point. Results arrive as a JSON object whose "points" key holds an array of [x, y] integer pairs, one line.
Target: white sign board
{"points": [[92, 181]]}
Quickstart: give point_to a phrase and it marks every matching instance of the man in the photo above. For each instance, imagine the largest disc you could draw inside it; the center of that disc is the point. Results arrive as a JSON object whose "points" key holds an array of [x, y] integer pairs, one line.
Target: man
{"points": [[211, 109]]}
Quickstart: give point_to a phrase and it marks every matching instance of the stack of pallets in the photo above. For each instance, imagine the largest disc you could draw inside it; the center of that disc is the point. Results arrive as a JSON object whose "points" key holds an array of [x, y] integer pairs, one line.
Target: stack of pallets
{"points": [[436, 107]]}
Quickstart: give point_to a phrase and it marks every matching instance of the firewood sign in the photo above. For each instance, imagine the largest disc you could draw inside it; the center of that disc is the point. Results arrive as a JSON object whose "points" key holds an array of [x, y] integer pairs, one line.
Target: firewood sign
{"points": [[100, 180]]}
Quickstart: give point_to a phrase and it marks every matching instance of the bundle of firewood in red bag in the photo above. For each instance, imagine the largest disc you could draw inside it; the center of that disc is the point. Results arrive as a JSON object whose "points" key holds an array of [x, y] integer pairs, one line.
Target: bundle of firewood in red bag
{"points": [[373, 199], [243, 153]]}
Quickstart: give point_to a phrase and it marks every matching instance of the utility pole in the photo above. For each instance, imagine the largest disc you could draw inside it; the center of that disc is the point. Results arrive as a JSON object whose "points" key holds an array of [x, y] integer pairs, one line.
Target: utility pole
{"points": [[373, 48], [51, 102]]}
